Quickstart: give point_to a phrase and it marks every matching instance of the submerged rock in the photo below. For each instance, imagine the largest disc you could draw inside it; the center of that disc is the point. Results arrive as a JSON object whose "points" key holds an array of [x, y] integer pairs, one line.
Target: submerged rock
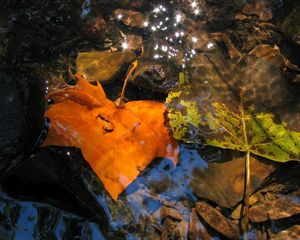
{"points": [[155, 76], [21, 96], [102, 66], [54, 177], [217, 221], [223, 183], [249, 33], [274, 207], [290, 25]]}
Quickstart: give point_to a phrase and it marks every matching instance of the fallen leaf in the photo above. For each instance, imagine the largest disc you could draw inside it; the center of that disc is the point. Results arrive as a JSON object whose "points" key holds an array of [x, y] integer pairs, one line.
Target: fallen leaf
{"points": [[102, 66], [244, 131], [273, 55], [217, 220], [118, 143]]}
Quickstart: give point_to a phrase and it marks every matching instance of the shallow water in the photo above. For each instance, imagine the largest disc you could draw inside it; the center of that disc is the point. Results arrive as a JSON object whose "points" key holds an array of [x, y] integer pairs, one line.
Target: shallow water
{"points": [[225, 47]]}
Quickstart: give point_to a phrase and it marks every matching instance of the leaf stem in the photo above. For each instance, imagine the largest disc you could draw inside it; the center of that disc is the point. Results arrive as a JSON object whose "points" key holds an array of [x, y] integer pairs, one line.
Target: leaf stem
{"points": [[247, 194], [132, 68]]}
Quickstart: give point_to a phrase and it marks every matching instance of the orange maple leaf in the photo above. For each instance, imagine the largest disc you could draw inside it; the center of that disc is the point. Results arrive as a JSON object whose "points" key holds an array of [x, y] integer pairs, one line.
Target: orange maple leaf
{"points": [[117, 142]]}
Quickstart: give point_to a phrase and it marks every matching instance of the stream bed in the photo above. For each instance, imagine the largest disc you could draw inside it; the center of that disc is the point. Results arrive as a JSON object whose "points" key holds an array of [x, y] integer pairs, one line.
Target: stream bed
{"points": [[231, 51]]}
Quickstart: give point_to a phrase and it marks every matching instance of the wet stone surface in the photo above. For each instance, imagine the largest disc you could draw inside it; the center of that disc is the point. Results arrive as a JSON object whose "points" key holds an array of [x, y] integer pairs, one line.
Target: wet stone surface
{"points": [[21, 105], [102, 66]]}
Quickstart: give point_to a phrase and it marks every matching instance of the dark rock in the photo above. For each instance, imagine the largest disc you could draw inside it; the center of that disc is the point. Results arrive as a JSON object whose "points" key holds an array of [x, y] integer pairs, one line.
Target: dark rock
{"points": [[41, 30], [249, 33], [102, 66], [290, 25], [125, 3], [220, 14], [96, 27], [156, 76], [223, 183], [54, 176], [217, 221], [290, 114], [22, 104]]}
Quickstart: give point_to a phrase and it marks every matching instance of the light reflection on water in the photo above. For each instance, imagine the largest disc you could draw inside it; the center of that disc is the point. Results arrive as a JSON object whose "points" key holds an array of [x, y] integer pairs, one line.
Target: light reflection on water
{"points": [[22, 220], [159, 184]]}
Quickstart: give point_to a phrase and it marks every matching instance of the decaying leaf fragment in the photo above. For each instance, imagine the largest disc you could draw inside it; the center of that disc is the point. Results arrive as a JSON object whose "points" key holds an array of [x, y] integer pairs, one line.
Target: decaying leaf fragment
{"points": [[257, 133], [213, 122], [117, 142]]}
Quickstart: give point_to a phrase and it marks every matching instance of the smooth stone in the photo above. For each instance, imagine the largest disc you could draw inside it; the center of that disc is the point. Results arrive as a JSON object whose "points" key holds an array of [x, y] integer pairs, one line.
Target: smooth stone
{"points": [[102, 66], [217, 221], [223, 183]]}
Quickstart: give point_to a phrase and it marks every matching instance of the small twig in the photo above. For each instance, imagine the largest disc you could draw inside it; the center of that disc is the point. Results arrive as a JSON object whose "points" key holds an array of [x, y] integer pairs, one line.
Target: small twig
{"points": [[247, 173], [133, 67]]}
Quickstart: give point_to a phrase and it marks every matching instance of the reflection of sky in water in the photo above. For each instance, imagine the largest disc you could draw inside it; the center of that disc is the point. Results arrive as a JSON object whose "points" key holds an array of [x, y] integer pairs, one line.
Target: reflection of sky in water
{"points": [[159, 184], [179, 177], [20, 220], [26, 223], [143, 200]]}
